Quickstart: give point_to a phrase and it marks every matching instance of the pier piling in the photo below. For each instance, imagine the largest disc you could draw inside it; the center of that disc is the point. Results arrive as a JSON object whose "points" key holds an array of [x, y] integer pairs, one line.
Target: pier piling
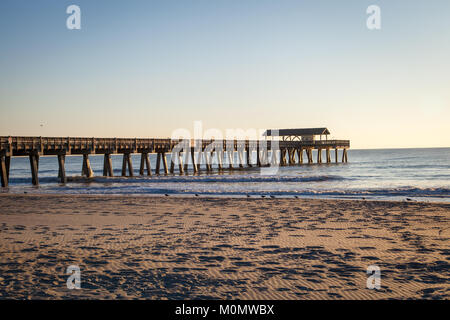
{"points": [[292, 156], [241, 158], [62, 169], [164, 161], [145, 163], [230, 158], [258, 157], [7, 164], [107, 166], [300, 155], [310, 155], [86, 171], [186, 160], [194, 165], [4, 168], [344, 155], [34, 164], [199, 160], [172, 163], [126, 162], [158, 162], [220, 159], [180, 164]]}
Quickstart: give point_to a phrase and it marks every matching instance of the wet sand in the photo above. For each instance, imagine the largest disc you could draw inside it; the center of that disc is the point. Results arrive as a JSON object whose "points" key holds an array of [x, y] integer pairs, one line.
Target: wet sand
{"points": [[208, 248]]}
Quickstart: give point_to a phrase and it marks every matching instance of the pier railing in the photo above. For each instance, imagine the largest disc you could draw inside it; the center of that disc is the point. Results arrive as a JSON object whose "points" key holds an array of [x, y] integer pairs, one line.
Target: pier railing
{"points": [[22, 146]]}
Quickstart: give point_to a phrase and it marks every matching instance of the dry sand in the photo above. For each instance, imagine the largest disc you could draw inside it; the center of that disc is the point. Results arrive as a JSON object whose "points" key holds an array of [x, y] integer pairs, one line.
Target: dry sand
{"points": [[196, 248]]}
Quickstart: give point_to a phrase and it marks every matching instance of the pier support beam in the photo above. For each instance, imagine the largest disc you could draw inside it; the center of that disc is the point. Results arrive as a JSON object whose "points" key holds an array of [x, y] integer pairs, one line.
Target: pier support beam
{"points": [[344, 155], [258, 157], [273, 157], [205, 155], [194, 164], [328, 155], [319, 155], [336, 155], [172, 163], [264, 157], [62, 168], [145, 163], [230, 158], [186, 161], [180, 164], [7, 163], [283, 157], [4, 170], [34, 164], [164, 161], [107, 166], [199, 160], [126, 162], [208, 160], [161, 157], [86, 171], [241, 158], [291, 156], [300, 156], [220, 159], [158, 162], [309, 153], [176, 156], [249, 158]]}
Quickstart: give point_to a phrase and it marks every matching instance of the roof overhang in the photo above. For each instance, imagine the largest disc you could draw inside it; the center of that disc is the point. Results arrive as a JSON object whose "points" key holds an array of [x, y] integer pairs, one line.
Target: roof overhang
{"points": [[296, 132]]}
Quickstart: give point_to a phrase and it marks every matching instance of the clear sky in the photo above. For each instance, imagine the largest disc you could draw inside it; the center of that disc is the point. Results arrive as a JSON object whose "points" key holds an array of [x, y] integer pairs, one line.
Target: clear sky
{"points": [[146, 68]]}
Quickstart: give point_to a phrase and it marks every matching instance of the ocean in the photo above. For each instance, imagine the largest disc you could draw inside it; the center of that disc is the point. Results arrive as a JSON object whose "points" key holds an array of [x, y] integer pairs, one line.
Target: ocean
{"points": [[377, 174]]}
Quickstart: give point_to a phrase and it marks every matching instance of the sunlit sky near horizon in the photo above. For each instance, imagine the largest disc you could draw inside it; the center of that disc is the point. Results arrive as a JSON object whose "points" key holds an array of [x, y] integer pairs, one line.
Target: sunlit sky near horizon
{"points": [[146, 68]]}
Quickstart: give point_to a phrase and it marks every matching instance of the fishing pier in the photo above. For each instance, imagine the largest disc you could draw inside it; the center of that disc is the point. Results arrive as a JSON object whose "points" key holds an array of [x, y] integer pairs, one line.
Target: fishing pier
{"points": [[288, 148]]}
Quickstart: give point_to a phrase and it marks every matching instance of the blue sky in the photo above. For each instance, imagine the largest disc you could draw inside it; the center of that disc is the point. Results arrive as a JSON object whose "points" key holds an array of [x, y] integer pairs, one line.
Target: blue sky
{"points": [[146, 68]]}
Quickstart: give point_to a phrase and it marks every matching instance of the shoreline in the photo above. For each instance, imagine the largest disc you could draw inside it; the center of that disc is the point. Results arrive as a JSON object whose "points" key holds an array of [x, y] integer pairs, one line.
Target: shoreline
{"points": [[221, 196], [158, 247]]}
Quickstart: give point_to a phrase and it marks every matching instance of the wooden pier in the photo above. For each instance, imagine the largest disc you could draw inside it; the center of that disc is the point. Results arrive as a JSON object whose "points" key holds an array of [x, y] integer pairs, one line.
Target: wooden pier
{"points": [[291, 152]]}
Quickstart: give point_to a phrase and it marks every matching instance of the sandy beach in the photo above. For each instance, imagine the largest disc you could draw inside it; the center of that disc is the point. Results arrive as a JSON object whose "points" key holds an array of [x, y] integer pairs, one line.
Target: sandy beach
{"points": [[130, 247]]}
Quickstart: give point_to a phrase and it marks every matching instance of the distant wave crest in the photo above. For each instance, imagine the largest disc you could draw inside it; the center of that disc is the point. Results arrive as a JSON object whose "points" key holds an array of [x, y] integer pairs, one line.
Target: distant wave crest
{"points": [[387, 192], [224, 178]]}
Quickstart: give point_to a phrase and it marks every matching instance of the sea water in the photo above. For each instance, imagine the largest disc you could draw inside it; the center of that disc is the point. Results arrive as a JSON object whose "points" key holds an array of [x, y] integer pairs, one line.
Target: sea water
{"points": [[384, 174]]}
